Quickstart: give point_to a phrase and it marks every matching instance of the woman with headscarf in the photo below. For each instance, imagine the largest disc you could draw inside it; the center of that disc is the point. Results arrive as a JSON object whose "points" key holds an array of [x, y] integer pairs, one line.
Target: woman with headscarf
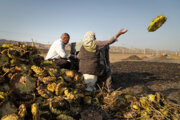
{"points": [[89, 58]]}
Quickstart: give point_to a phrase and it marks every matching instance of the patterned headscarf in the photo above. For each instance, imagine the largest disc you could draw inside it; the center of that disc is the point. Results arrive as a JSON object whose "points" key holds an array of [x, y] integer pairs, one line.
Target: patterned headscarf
{"points": [[89, 42]]}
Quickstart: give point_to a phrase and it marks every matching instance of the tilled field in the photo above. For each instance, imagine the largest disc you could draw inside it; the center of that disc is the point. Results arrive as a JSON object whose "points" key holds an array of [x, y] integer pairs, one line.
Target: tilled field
{"points": [[139, 77]]}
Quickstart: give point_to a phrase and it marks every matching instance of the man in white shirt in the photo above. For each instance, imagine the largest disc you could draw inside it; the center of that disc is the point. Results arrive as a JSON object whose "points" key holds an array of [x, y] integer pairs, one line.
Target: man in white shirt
{"points": [[57, 51]]}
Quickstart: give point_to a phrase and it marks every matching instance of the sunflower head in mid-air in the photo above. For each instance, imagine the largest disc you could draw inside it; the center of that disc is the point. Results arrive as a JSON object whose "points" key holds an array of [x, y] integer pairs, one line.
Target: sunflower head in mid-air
{"points": [[157, 23]]}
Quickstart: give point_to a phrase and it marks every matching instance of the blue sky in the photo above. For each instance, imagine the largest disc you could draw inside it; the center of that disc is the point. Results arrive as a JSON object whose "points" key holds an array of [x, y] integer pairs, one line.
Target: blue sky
{"points": [[46, 20]]}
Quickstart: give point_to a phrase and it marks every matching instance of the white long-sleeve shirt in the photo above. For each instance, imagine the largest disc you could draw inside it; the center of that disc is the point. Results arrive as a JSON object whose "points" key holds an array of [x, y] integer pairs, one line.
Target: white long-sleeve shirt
{"points": [[57, 50]]}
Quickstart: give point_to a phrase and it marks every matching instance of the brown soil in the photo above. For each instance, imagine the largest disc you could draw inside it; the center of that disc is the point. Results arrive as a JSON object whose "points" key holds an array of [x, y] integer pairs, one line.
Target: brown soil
{"points": [[133, 57], [139, 77], [116, 57]]}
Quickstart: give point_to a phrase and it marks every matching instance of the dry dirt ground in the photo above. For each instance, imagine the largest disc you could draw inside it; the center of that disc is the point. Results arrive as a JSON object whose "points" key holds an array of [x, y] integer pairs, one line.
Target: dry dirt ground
{"points": [[146, 76], [116, 57]]}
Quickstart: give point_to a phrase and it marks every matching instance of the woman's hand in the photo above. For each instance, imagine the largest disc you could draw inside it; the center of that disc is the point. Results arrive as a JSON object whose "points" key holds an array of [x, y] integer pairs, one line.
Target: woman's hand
{"points": [[121, 32]]}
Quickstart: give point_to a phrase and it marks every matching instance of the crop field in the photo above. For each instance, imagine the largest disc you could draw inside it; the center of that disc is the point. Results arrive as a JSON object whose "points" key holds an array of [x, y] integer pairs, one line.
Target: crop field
{"points": [[148, 77], [146, 74]]}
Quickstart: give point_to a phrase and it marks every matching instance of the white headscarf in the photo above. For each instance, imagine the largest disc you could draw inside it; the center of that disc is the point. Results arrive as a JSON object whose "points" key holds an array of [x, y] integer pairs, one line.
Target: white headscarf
{"points": [[89, 42]]}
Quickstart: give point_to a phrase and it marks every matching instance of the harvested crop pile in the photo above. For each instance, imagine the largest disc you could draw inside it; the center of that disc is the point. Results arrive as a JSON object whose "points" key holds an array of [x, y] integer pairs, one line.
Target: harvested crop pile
{"points": [[154, 107], [33, 88], [133, 57]]}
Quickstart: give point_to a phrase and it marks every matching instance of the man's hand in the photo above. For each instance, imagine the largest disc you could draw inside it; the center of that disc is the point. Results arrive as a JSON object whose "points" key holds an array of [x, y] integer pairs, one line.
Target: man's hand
{"points": [[121, 32]]}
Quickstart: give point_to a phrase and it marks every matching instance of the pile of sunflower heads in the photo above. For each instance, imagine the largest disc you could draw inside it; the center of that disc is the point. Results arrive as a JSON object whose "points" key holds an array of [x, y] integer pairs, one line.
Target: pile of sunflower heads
{"points": [[32, 88], [149, 107]]}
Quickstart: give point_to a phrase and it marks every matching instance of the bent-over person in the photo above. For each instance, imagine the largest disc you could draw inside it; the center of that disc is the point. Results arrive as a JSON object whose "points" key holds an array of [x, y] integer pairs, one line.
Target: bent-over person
{"points": [[89, 59]]}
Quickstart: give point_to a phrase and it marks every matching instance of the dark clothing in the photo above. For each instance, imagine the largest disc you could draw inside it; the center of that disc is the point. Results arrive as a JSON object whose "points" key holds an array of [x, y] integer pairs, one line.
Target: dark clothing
{"points": [[89, 62], [62, 63]]}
